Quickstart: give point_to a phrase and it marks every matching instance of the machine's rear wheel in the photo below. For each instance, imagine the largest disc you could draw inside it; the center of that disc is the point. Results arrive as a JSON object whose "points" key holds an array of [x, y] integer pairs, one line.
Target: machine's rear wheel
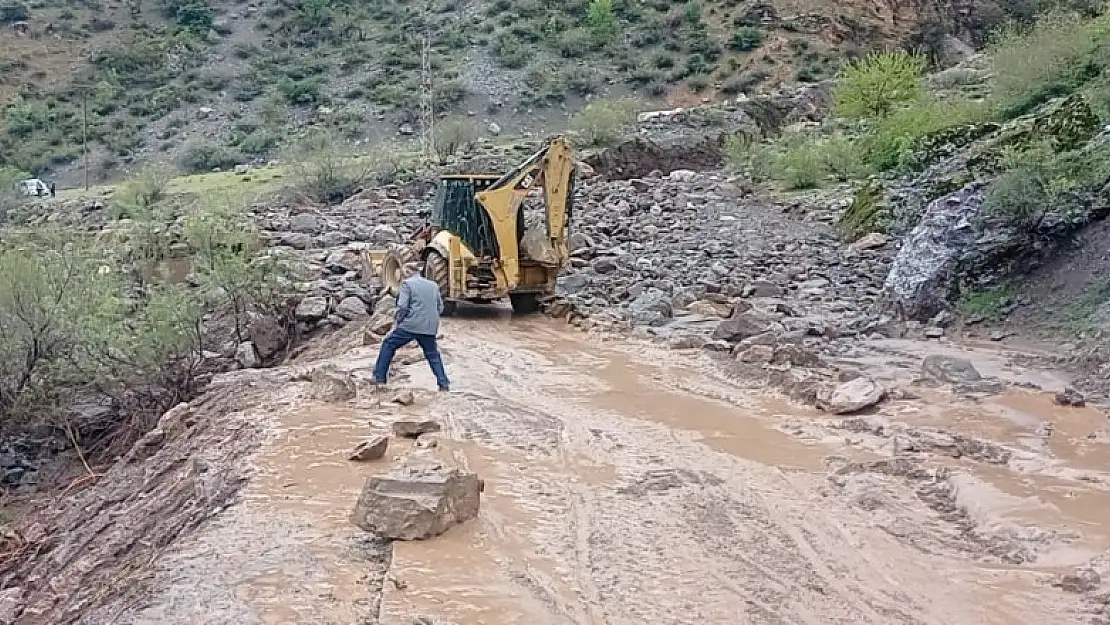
{"points": [[438, 270], [393, 267], [524, 303]]}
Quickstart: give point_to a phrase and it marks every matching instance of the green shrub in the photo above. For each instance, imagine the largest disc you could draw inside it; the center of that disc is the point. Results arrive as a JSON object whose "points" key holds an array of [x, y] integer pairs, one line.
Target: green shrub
{"points": [[454, 134], [1058, 54], [746, 38], [692, 12], [799, 160], [866, 214], [72, 328], [323, 170], [575, 43], [602, 20], [989, 305], [604, 122], [227, 267], [138, 196], [878, 84], [14, 12], [258, 142], [194, 15], [297, 92], [203, 157], [697, 83], [511, 52], [891, 142]]}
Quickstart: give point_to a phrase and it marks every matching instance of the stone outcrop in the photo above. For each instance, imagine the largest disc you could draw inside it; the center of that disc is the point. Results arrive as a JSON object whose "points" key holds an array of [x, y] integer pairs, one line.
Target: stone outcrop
{"points": [[417, 502]]}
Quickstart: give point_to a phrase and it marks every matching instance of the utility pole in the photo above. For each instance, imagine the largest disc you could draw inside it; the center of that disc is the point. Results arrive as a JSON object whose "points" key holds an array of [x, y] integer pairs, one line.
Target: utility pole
{"points": [[427, 115], [85, 132]]}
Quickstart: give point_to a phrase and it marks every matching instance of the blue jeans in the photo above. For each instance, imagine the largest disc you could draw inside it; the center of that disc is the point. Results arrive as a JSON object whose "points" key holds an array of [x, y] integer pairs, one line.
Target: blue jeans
{"points": [[399, 338]]}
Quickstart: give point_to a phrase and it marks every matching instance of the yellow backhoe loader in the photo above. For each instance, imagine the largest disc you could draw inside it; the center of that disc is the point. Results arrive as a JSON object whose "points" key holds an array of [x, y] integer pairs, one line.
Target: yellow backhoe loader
{"points": [[494, 236]]}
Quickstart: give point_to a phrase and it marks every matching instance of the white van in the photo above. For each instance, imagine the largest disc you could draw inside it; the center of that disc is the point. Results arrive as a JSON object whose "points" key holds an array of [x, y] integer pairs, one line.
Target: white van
{"points": [[35, 187]]}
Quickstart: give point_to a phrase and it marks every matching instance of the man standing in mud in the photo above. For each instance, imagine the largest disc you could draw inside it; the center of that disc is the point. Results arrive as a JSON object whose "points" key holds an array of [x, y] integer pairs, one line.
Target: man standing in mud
{"points": [[419, 306]]}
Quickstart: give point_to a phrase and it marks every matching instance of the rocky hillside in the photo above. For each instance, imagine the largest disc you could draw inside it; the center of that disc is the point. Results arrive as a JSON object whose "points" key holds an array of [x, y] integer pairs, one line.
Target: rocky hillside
{"points": [[212, 83]]}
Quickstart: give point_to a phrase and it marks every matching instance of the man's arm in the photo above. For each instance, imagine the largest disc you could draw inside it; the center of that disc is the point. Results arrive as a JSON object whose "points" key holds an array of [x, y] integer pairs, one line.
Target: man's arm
{"points": [[439, 303], [402, 304]]}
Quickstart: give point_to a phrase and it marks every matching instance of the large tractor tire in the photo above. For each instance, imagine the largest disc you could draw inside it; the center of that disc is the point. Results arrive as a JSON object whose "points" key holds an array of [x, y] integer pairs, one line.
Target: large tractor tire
{"points": [[393, 267], [437, 269], [524, 303]]}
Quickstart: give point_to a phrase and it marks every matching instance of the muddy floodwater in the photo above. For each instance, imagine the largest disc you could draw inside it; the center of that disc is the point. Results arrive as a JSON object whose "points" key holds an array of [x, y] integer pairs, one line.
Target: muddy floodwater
{"points": [[628, 485]]}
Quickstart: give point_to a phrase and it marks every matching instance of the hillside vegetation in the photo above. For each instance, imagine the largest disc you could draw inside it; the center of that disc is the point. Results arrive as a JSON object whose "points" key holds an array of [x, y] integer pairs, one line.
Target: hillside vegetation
{"points": [[209, 84]]}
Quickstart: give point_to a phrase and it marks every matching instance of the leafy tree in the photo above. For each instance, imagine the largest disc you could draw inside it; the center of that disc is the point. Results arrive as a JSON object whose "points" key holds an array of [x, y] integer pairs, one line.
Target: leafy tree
{"points": [[879, 83], [602, 20]]}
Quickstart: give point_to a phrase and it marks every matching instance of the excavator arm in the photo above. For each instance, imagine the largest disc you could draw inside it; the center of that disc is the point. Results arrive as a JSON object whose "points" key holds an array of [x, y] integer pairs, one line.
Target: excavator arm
{"points": [[552, 169]]}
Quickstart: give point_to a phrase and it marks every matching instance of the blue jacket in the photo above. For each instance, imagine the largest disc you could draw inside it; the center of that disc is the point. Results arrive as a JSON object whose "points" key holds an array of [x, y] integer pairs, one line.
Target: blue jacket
{"points": [[419, 306]]}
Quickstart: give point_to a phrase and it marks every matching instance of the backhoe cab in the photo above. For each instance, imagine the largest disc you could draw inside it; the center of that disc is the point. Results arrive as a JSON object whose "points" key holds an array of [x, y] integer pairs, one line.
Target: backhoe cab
{"points": [[495, 236]]}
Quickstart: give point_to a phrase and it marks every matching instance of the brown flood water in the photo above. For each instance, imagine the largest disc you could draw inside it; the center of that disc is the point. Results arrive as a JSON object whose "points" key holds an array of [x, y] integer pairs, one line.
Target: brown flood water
{"points": [[612, 497]]}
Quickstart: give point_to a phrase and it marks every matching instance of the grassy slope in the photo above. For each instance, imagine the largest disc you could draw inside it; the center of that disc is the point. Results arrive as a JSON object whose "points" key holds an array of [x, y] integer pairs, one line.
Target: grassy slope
{"points": [[246, 75]]}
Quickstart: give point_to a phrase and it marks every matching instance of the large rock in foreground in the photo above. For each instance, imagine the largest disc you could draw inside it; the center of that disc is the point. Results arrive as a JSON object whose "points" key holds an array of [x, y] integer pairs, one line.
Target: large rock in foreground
{"points": [[415, 503], [852, 396]]}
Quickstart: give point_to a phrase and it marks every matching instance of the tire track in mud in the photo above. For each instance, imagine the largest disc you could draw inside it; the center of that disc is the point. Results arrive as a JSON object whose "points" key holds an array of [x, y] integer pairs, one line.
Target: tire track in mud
{"points": [[608, 502]]}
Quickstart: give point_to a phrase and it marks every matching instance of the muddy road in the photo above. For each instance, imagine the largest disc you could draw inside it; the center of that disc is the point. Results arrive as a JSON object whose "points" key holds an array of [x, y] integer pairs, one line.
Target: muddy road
{"points": [[629, 485]]}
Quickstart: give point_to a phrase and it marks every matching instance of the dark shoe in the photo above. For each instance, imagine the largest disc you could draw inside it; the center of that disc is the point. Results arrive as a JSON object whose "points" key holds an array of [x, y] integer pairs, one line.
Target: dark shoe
{"points": [[445, 389], [377, 382]]}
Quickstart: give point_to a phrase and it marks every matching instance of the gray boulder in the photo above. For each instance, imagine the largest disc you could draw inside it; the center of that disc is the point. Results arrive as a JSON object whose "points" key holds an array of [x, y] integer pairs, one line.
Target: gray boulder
{"points": [[332, 385], [268, 336], [415, 503], [372, 449], [923, 274], [852, 396], [351, 308], [412, 428], [312, 309], [742, 325], [652, 308], [306, 223], [950, 370], [246, 355]]}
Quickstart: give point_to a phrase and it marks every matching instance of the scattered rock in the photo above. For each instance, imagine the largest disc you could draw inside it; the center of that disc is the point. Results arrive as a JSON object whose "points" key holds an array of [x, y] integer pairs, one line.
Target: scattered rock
{"points": [[757, 354], [351, 308], [869, 242], [949, 369], [405, 398], [306, 223], [381, 323], [329, 384], [741, 326], [427, 441], [369, 337], [268, 336], [1070, 397], [312, 309], [11, 604], [246, 355], [416, 503], [413, 428], [652, 308], [852, 396], [372, 449], [1079, 581]]}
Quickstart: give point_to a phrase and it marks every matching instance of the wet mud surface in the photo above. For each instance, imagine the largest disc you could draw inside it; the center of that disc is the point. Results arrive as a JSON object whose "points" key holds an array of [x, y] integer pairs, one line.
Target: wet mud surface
{"points": [[629, 485]]}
